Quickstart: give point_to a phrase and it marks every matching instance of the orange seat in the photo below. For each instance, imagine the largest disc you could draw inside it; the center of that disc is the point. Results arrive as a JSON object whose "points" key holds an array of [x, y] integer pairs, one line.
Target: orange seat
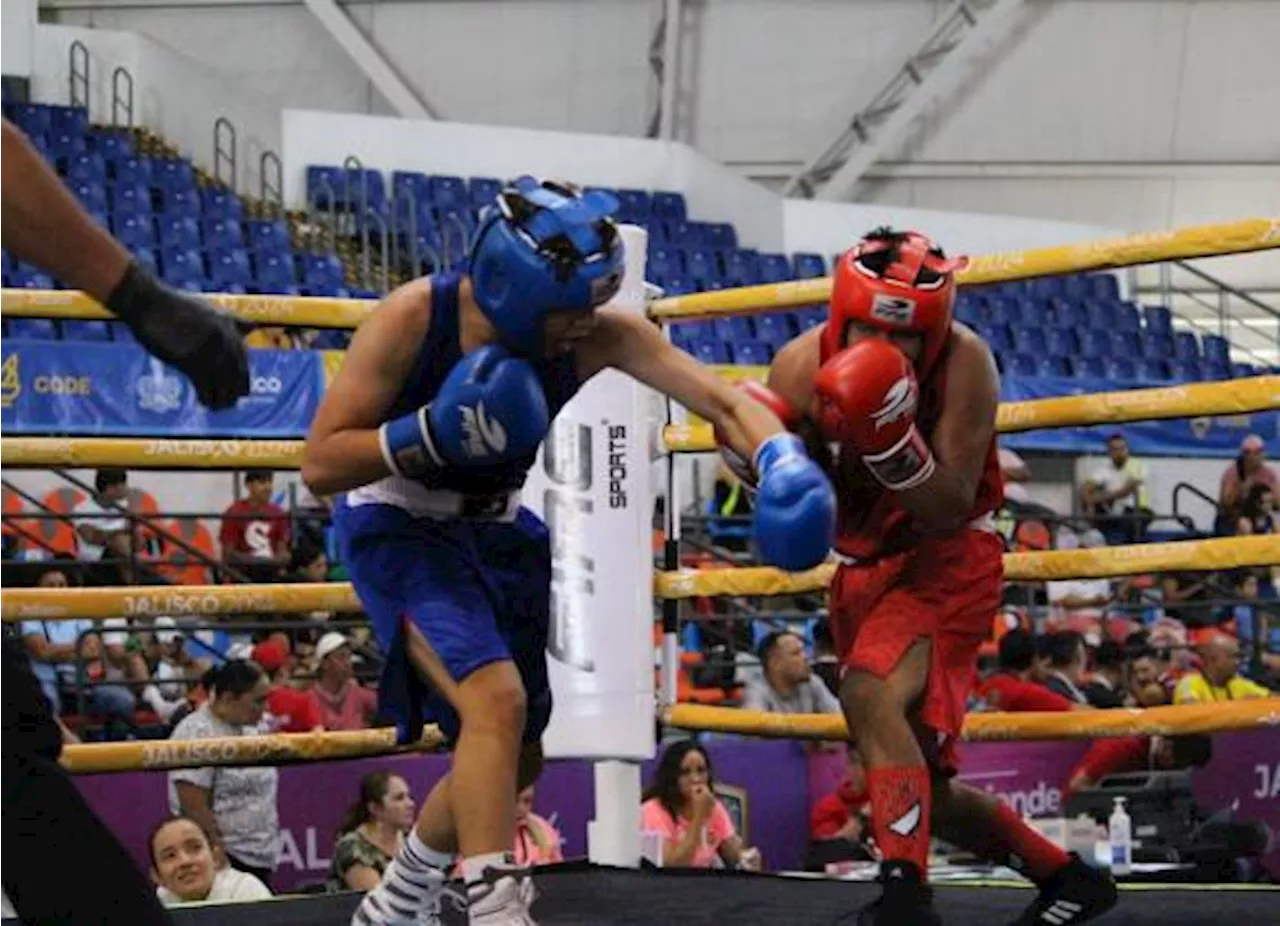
{"points": [[61, 536], [182, 566]]}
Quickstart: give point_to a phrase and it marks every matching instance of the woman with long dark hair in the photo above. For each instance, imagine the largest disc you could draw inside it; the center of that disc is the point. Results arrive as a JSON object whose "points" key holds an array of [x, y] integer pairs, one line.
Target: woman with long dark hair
{"points": [[682, 807], [372, 832]]}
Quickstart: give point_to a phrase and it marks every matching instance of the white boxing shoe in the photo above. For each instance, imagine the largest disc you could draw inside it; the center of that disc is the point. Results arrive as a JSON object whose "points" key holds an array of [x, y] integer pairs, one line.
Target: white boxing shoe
{"points": [[503, 898]]}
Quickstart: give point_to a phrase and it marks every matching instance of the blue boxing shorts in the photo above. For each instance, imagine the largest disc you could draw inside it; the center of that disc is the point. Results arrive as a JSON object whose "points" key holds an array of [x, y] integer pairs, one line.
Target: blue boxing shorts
{"points": [[479, 590]]}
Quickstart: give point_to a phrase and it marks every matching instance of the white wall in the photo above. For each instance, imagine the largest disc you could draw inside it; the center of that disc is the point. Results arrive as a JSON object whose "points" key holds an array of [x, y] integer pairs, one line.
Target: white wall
{"points": [[479, 150], [828, 228], [17, 20]]}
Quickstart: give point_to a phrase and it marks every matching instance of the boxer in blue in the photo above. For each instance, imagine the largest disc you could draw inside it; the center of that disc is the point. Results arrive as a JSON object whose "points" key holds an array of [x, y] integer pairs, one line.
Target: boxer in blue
{"points": [[430, 428]]}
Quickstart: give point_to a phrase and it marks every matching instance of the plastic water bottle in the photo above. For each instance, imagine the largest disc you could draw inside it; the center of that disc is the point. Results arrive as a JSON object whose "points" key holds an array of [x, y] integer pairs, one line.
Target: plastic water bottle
{"points": [[1120, 835]]}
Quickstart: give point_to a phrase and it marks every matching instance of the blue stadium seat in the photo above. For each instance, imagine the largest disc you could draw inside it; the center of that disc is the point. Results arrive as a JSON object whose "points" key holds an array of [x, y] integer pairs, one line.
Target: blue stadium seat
{"points": [[659, 234], [1046, 287], [1061, 343], [133, 231], [179, 265], [410, 185], [1076, 287], [88, 166], [449, 192], [1186, 371], [1030, 341], [131, 169], [173, 174], [711, 351], [484, 190], [70, 120], [1088, 367], [774, 268], [266, 233], [223, 233], [999, 337], [93, 196], [229, 268], [1105, 287], [1157, 318], [684, 234], [1053, 366], [702, 264], [1067, 314], [736, 328], [970, 308], [635, 206], [678, 286], [322, 270], [1156, 346], [1242, 370], [1029, 313], [1121, 369], [63, 146], [1094, 342], [723, 237], [1215, 370], [1216, 349], [220, 203], [76, 329], [808, 266], [752, 353], [131, 196], [1153, 371], [32, 118], [325, 185], [121, 334], [177, 231], [1126, 344], [274, 270], [810, 317], [1023, 365], [774, 329], [668, 205], [1000, 311], [112, 144], [34, 329], [742, 267], [1185, 346], [665, 262], [180, 201]]}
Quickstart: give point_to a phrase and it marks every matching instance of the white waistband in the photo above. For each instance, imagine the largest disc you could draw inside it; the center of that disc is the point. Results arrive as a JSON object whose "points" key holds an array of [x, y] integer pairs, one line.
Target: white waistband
{"points": [[983, 522], [440, 504]]}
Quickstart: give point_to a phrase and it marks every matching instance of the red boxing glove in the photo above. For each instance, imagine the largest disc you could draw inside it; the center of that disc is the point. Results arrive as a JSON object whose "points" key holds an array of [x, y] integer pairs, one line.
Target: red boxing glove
{"points": [[868, 394], [787, 414]]}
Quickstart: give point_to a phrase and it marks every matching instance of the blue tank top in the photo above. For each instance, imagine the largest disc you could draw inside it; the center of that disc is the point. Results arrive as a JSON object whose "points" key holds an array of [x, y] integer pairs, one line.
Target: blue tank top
{"points": [[440, 351]]}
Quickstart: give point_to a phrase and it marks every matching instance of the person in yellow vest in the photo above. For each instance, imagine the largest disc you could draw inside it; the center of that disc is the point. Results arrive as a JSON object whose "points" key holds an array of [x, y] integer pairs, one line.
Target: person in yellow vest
{"points": [[1217, 679]]}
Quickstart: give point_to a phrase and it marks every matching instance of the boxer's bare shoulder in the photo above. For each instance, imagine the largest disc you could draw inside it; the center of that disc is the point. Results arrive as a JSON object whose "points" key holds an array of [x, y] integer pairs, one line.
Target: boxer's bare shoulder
{"points": [[793, 369]]}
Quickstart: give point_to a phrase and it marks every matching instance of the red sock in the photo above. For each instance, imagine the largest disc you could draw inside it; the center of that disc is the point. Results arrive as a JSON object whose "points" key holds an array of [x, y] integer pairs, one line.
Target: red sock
{"points": [[901, 796], [1039, 857]]}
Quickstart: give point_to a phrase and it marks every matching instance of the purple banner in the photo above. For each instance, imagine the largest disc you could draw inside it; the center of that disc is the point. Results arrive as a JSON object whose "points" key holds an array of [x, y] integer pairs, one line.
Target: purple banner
{"points": [[770, 785]]}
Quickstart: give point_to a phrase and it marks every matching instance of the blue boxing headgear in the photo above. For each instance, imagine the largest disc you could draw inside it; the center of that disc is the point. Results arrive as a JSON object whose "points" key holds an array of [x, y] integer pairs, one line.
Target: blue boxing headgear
{"points": [[544, 248]]}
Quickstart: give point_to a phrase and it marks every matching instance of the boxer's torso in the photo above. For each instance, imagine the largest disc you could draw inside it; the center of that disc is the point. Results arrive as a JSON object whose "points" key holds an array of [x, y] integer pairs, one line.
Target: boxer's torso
{"points": [[441, 350], [870, 522]]}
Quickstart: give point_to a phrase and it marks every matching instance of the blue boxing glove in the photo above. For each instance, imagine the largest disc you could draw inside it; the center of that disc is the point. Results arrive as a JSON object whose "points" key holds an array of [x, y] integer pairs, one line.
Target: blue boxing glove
{"points": [[490, 409], [795, 518]]}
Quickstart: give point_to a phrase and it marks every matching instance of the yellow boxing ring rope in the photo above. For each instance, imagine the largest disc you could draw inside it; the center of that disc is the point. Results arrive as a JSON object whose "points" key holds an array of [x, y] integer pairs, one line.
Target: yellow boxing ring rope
{"points": [[1254, 394]]}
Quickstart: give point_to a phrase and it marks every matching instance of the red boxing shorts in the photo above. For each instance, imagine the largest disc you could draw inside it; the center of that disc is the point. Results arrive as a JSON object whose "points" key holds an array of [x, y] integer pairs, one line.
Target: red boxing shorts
{"points": [[946, 590]]}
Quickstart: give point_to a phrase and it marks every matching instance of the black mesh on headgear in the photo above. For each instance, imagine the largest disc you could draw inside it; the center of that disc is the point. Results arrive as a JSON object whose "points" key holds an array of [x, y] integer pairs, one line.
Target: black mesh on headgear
{"points": [[877, 260]]}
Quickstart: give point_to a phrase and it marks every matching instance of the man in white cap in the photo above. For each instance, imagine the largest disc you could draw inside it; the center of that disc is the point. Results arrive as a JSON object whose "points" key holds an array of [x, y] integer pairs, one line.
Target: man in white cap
{"points": [[343, 703]]}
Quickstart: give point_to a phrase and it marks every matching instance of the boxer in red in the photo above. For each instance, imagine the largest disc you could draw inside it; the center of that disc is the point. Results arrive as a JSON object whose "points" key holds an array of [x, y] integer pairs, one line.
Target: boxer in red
{"points": [[908, 399]]}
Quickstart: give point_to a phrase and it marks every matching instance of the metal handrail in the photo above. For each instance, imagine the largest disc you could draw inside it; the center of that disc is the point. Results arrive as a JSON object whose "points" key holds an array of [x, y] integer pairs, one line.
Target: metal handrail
{"points": [[225, 153], [122, 101], [78, 73], [271, 193]]}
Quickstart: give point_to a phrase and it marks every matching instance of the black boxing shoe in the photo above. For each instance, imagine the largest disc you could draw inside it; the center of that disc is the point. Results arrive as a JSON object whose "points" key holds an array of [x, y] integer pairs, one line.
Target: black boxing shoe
{"points": [[1076, 893], [906, 900]]}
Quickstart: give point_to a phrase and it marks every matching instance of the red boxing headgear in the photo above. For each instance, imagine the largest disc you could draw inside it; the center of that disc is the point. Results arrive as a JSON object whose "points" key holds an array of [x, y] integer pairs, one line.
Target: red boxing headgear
{"points": [[894, 281]]}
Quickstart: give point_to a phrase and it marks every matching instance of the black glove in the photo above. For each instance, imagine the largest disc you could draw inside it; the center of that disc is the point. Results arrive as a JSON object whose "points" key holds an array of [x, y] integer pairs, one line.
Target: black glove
{"points": [[198, 339]]}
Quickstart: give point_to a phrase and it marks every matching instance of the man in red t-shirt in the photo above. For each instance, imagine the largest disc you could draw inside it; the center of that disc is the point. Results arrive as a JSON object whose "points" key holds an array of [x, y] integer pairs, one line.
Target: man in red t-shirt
{"points": [[1137, 753], [255, 532], [290, 710], [1009, 690]]}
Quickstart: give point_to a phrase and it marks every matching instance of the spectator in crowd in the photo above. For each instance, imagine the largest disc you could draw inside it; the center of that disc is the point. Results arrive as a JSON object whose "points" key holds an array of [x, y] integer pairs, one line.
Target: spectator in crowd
{"points": [[1254, 627], [1187, 596], [1149, 683], [372, 832], [538, 842], [1106, 687], [1016, 475], [167, 650], [1068, 660], [255, 530], [343, 703], [1258, 511], [1218, 678], [1138, 753], [786, 683], [188, 868], [826, 664], [1116, 494], [1248, 470], [288, 709], [100, 518], [1079, 603], [235, 806], [1009, 688], [64, 654], [839, 823], [682, 808], [310, 564]]}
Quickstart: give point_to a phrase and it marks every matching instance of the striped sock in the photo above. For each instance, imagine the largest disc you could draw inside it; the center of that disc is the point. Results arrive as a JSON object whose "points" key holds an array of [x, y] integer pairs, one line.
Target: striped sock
{"points": [[409, 884]]}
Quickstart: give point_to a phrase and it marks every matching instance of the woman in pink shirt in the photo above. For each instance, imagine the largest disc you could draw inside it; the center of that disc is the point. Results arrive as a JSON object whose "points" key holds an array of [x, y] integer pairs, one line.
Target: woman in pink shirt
{"points": [[537, 840], [682, 807]]}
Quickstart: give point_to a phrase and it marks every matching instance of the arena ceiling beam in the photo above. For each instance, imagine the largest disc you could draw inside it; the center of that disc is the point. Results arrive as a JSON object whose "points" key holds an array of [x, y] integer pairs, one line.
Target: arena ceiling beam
{"points": [[961, 37], [369, 58]]}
